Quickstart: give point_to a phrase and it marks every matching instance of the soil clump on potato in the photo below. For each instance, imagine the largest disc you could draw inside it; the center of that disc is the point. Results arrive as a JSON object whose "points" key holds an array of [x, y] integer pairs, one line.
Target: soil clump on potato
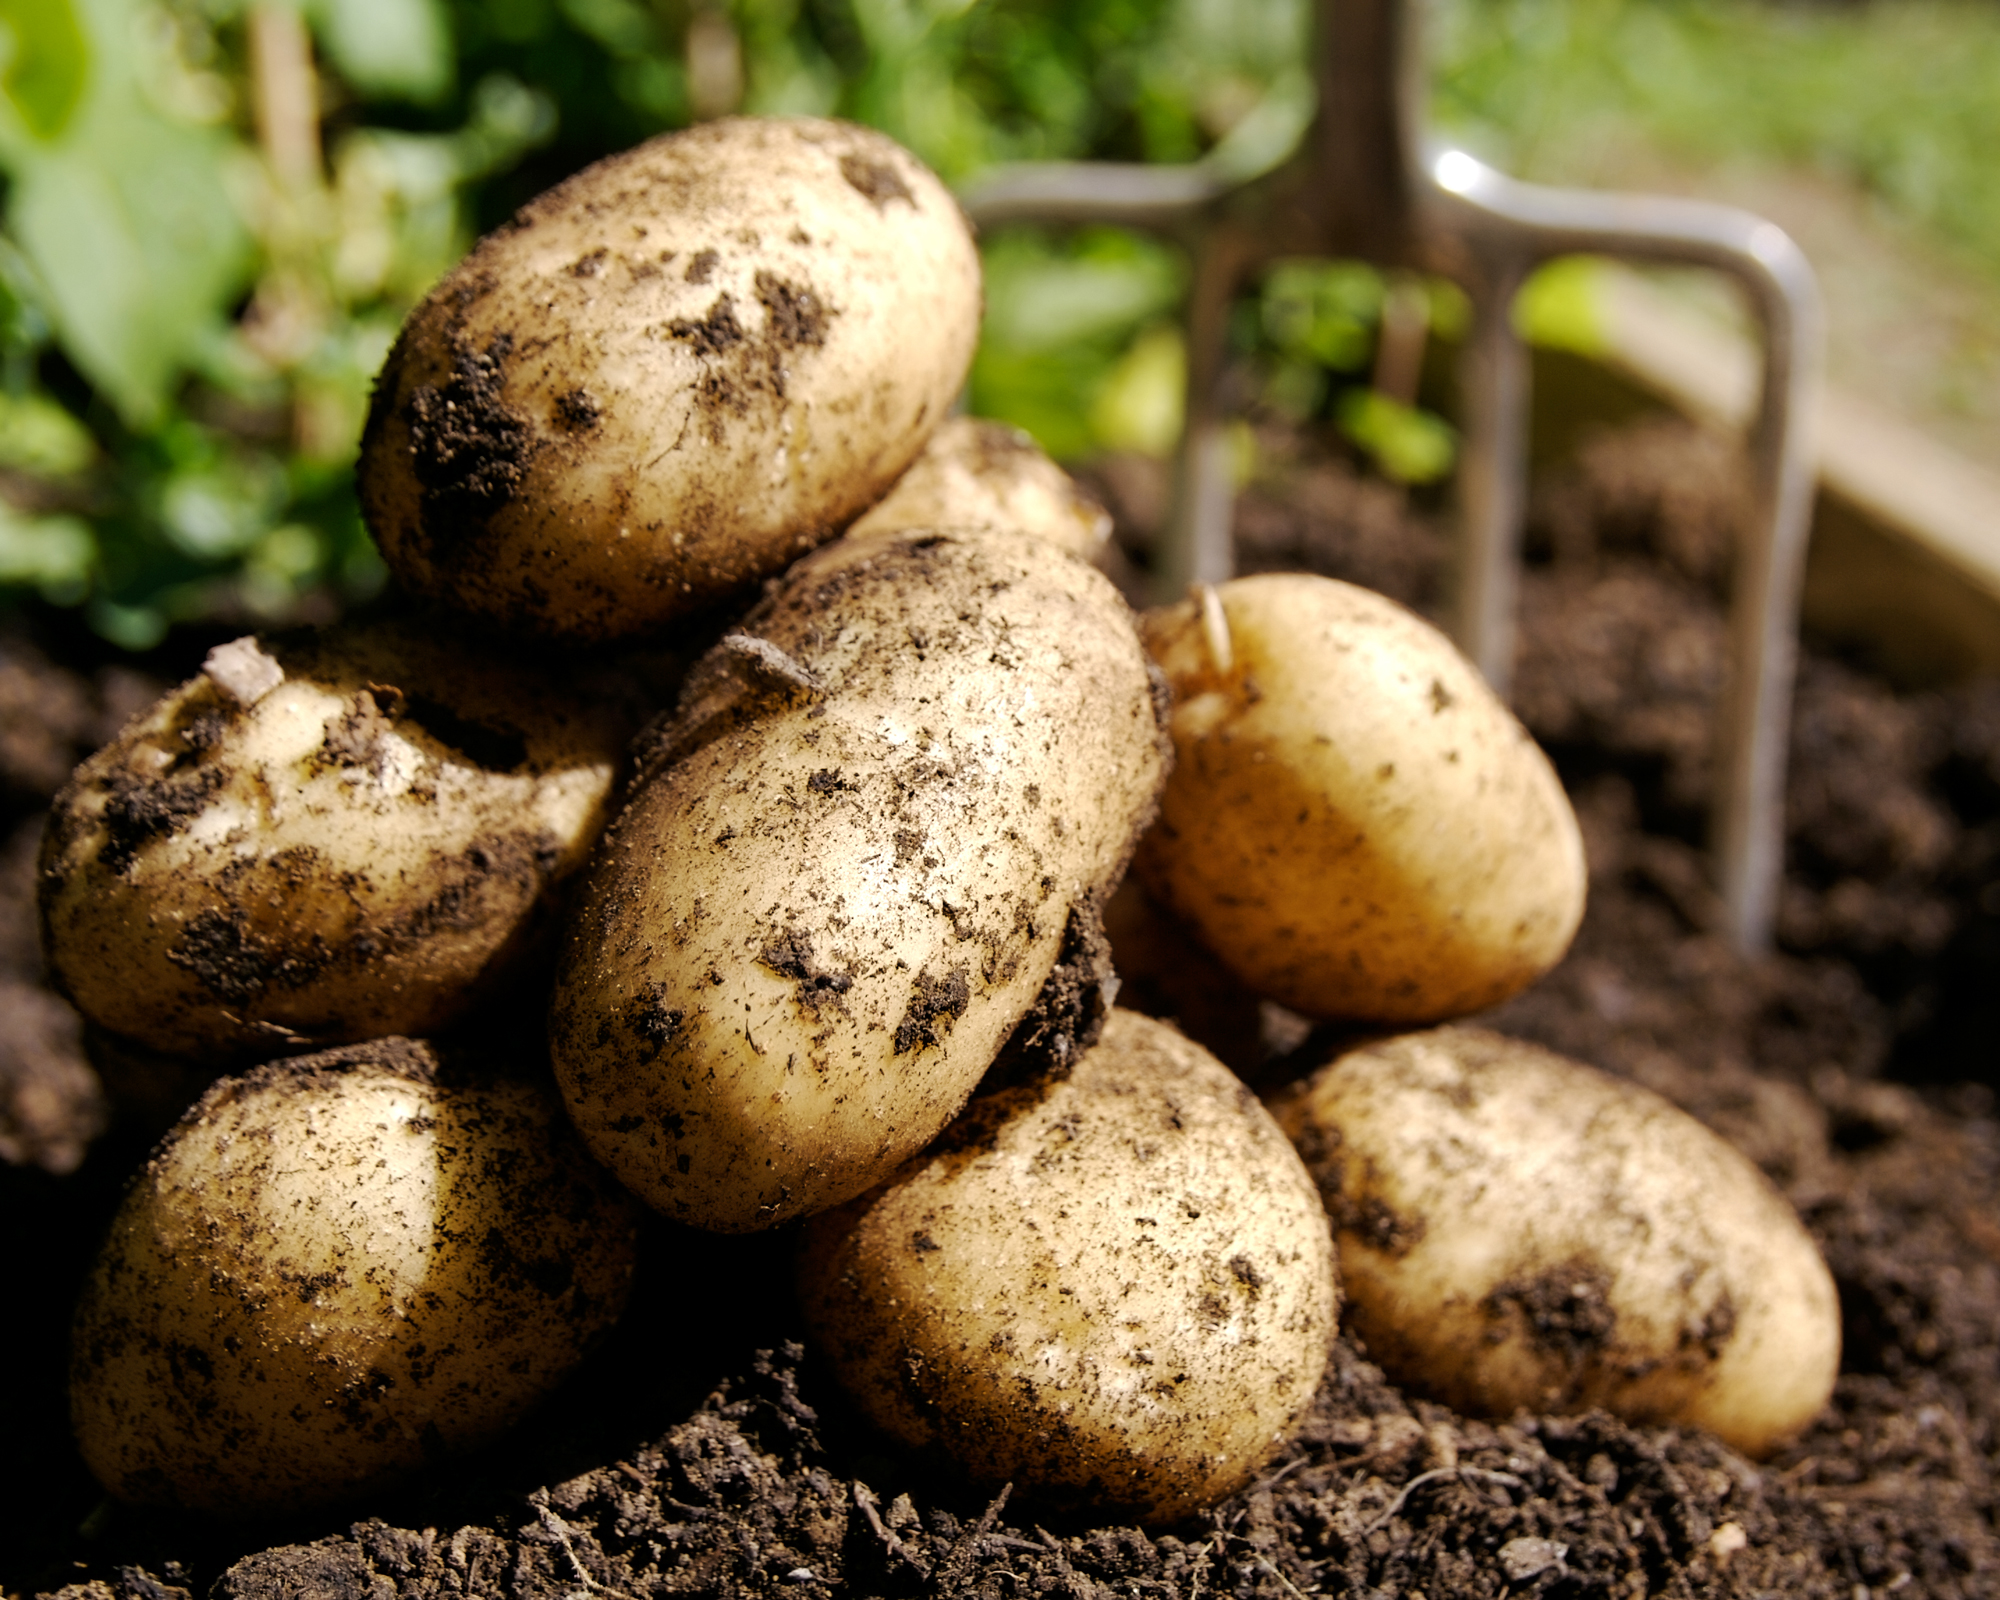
{"points": [[704, 1452]]}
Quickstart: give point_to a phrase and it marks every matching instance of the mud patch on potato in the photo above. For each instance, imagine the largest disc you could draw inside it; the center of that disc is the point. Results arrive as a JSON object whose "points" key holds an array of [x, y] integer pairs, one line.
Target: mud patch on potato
{"points": [[1377, 1224], [1068, 1015], [936, 1005], [655, 1022], [469, 450], [138, 811], [354, 739], [1565, 1311], [790, 955], [794, 315], [1713, 1332], [577, 411], [712, 335], [738, 367], [238, 965], [875, 181]]}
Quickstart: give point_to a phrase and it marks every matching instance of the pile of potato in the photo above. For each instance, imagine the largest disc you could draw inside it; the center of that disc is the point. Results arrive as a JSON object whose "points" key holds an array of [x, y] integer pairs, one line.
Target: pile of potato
{"points": [[825, 940]]}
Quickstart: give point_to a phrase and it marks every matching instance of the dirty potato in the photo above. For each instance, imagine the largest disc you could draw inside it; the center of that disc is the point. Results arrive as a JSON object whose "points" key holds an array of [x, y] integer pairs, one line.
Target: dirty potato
{"points": [[1114, 1291], [670, 376], [980, 474], [879, 829], [1356, 826], [334, 1270], [1520, 1231], [321, 838]]}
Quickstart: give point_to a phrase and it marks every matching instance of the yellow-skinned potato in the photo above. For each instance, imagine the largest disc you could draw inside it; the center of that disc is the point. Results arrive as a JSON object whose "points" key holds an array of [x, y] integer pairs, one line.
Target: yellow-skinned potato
{"points": [[888, 808], [980, 474], [334, 1270], [671, 375], [321, 838], [1518, 1230], [1113, 1291], [1356, 825]]}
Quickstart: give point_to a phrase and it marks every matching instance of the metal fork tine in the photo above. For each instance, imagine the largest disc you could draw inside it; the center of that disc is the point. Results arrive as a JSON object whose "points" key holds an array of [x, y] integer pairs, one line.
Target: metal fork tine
{"points": [[1356, 187]]}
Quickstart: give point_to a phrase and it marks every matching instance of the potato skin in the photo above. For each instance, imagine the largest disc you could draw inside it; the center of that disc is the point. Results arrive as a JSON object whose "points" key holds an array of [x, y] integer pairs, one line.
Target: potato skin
{"points": [[362, 850], [975, 473], [1115, 1291], [670, 375], [892, 800], [1356, 825], [1518, 1230], [333, 1270]]}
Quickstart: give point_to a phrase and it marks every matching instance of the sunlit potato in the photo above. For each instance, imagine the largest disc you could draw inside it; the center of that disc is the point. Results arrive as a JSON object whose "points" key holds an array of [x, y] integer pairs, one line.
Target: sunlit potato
{"points": [[1519, 1231], [1115, 1292], [1356, 826], [670, 376], [976, 473], [878, 838], [338, 1269], [322, 838]]}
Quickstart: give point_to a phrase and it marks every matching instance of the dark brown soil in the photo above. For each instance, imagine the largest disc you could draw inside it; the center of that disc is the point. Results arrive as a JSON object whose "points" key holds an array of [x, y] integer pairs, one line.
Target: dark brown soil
{"points": [[705, 1452]]}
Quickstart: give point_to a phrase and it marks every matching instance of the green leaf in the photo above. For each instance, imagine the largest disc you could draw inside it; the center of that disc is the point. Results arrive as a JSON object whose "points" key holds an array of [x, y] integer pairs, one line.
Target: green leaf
{"points": [[1045, 392], [1101, 287], [623, 27], [56, 554], [129, 227], [38, 436], [1142, 402], [1561, 306], [387, 47], [140, 252], [47, 63], [1410, 446]]}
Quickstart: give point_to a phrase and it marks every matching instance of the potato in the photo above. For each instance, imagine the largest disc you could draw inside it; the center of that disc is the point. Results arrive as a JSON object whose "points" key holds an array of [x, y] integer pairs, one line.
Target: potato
{"points": [[334, 1270], [322, 838], [980, 474], [1356, 826], [1518, 1230], [1114, 1291], [669, 376], [881, 824]]}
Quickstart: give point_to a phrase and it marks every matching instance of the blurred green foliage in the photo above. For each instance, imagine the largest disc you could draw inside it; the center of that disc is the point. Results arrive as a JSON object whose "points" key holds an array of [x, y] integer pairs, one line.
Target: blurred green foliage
{"points": [[193, 301]]}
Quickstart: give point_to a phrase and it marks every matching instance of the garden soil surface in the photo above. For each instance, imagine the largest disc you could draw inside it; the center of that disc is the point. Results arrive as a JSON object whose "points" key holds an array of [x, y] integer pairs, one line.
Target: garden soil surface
{"points": [[705, 1451]]}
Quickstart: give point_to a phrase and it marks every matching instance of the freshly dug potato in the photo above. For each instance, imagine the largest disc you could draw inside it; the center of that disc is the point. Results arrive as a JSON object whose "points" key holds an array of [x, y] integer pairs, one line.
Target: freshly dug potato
{"points": [[671, 375], [321, 838], [881, 824], [1114, 1291], [1518, 1230], [334, 1270], [980, 474], [1356, 825]]}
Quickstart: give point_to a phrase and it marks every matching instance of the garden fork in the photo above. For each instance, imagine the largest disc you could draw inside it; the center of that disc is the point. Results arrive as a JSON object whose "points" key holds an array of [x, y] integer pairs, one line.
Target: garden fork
{"points": [[1362, 183]]}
